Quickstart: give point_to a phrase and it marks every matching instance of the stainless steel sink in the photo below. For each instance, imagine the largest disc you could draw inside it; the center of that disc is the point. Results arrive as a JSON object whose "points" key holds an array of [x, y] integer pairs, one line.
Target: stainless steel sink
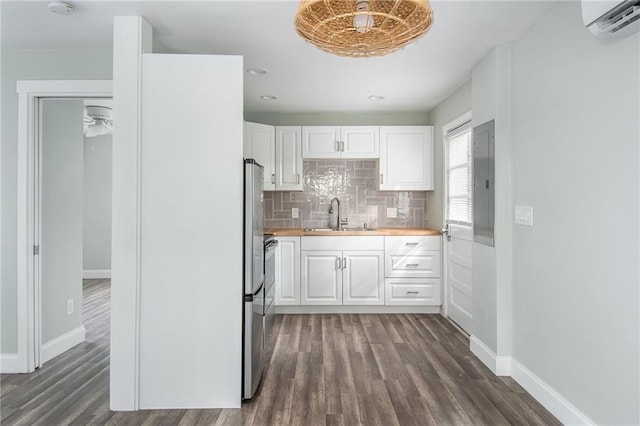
{"points": [[337, 230]]}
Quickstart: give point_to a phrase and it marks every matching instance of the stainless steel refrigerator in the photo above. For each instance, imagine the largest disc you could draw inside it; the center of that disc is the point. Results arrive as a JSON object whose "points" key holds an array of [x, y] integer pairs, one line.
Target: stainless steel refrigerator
{"points": [[253, 328]]}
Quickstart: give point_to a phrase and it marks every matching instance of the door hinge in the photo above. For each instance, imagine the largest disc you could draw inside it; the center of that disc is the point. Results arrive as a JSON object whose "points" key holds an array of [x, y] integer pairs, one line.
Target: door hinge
{"points": [[36, 249]]}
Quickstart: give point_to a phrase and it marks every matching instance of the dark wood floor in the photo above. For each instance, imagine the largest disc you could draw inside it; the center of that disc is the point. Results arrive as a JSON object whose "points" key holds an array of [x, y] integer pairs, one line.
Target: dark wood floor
{"points": [[324, 369]]}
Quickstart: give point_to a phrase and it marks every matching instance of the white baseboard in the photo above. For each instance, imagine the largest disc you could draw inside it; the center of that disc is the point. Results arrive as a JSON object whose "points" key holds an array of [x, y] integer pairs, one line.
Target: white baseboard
{"points": [[61, 344], [9, 364], [548, 397], [340, 309], [499, 365], [540, 390], [92, 274]]}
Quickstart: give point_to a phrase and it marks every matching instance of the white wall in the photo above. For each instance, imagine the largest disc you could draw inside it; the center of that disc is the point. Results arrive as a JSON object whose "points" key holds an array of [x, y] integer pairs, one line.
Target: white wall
{"points": [[451, 108], [61, 239], [491, 273], [576, 161], [96, 232], [68, 64], [191, 222]]}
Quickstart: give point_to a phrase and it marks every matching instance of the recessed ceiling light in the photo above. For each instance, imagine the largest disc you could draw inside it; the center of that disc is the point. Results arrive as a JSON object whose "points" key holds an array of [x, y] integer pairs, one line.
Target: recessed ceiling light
{"points": [[60, 7], [268, 98], [375, 98], [256, 71]]}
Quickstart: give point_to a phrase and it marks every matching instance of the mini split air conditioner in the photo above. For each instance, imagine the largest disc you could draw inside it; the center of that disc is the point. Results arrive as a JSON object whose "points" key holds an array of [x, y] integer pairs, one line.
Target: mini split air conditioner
{"points": [[611, 18]]}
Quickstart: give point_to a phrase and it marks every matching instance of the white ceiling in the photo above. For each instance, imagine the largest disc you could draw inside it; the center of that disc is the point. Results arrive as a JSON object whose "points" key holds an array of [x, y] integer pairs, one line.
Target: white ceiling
{"points": [[300, 75]]}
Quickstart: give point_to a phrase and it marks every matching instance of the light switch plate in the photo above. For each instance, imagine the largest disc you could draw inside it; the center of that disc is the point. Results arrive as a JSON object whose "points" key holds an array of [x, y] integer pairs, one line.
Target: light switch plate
{"points": [[294, 212], [69, 306], [392, 212], [524, 215]]}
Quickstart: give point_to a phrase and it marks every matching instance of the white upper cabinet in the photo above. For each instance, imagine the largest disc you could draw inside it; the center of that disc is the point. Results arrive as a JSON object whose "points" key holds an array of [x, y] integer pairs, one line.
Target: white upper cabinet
{"points": [[288, 167], [406, 158], [360, 141], [259, 144], [340, 142], [321, 142]]}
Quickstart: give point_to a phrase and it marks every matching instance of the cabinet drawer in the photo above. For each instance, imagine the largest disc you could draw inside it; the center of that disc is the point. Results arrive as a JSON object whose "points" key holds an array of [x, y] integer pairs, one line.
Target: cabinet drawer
{"points": [[411, 243], [418, 264], [412, 291]]}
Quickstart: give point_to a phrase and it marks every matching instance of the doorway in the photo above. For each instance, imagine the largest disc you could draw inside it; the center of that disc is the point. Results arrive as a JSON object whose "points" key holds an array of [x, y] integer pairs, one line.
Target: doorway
{"points": [[49, 185], [458, 220], [73, 222]]}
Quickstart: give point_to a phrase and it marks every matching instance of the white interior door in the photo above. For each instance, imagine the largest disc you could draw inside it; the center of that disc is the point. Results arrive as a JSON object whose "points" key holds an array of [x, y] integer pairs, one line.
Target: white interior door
{"points": [[458, 221], [59, 229]]}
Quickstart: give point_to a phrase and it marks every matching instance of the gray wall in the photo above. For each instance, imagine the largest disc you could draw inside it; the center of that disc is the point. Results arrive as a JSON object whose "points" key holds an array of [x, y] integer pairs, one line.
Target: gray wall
{"points": [[449, 109], [61, 240], [337, 118], [576, 161], [30, 65], [97, 203]]}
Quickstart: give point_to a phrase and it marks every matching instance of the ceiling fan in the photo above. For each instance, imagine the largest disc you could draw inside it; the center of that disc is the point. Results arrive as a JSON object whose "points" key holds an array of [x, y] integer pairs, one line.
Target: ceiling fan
{"points": [[97, 121]]}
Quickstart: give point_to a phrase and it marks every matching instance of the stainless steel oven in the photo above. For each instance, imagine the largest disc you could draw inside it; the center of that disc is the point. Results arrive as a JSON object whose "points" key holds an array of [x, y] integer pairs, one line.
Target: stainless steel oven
{"points": [[270, 245]]}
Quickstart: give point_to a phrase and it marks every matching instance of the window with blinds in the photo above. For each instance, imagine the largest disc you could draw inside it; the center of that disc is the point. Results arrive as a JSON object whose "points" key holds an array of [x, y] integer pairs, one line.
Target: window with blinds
{"points": [[458, 175]]}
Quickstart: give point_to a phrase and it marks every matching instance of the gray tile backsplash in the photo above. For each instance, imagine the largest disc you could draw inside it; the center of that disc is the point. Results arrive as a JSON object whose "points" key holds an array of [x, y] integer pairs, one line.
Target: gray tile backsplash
{"points": [[355, 183]]}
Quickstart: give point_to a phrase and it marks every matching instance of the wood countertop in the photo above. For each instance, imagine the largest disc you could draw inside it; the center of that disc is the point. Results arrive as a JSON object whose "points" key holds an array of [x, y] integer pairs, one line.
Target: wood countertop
{"points": [[298, 232]]}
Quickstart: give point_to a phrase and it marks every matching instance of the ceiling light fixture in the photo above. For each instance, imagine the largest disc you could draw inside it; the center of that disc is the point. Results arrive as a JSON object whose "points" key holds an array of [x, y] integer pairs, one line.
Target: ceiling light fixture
{"points": [[60, 7], [362, 28], [268, 98], [376, 97], [97, 121], [256, 71]]}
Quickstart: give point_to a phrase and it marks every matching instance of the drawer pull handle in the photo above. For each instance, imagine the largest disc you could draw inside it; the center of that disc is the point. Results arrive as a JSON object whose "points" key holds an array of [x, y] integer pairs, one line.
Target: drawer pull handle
{"points": [[273, 178], [413, 292], [338, 265], [410, 244], [411, 265]]}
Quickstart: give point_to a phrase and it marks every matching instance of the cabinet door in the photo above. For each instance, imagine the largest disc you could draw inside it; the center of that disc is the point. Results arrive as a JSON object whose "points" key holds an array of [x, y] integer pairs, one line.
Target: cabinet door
{"points": [[406, 158], [360, 141], [363, 278], [321, 278], [321, 142], [288, 159], [288, 271], [259, 144]]}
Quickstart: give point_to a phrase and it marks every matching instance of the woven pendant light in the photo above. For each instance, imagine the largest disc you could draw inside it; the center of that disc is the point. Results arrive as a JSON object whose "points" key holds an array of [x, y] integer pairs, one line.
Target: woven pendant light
{"points": [[362, 28]]}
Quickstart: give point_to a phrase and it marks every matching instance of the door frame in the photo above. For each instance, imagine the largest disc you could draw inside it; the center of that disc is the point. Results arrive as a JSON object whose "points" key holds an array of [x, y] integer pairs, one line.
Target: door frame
{"points": [[28, 266], [456, 122]]}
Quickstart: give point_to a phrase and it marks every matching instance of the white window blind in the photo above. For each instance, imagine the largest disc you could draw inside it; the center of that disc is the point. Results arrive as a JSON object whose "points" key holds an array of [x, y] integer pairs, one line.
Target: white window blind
{"points": [[458, 177]]}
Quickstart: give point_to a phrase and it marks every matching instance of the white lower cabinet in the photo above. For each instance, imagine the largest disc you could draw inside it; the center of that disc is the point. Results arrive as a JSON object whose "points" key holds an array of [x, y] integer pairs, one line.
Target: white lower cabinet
{"points": [[362, 278], [342, 271], [321, 278], [368, 270], [412, 270], [288, 271]]}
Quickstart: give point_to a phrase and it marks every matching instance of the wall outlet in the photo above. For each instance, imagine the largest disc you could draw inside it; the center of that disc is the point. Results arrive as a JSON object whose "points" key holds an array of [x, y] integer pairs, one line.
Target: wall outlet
{"points": [[524, 215], [392, 212], [294, 212], [69, 306]]}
